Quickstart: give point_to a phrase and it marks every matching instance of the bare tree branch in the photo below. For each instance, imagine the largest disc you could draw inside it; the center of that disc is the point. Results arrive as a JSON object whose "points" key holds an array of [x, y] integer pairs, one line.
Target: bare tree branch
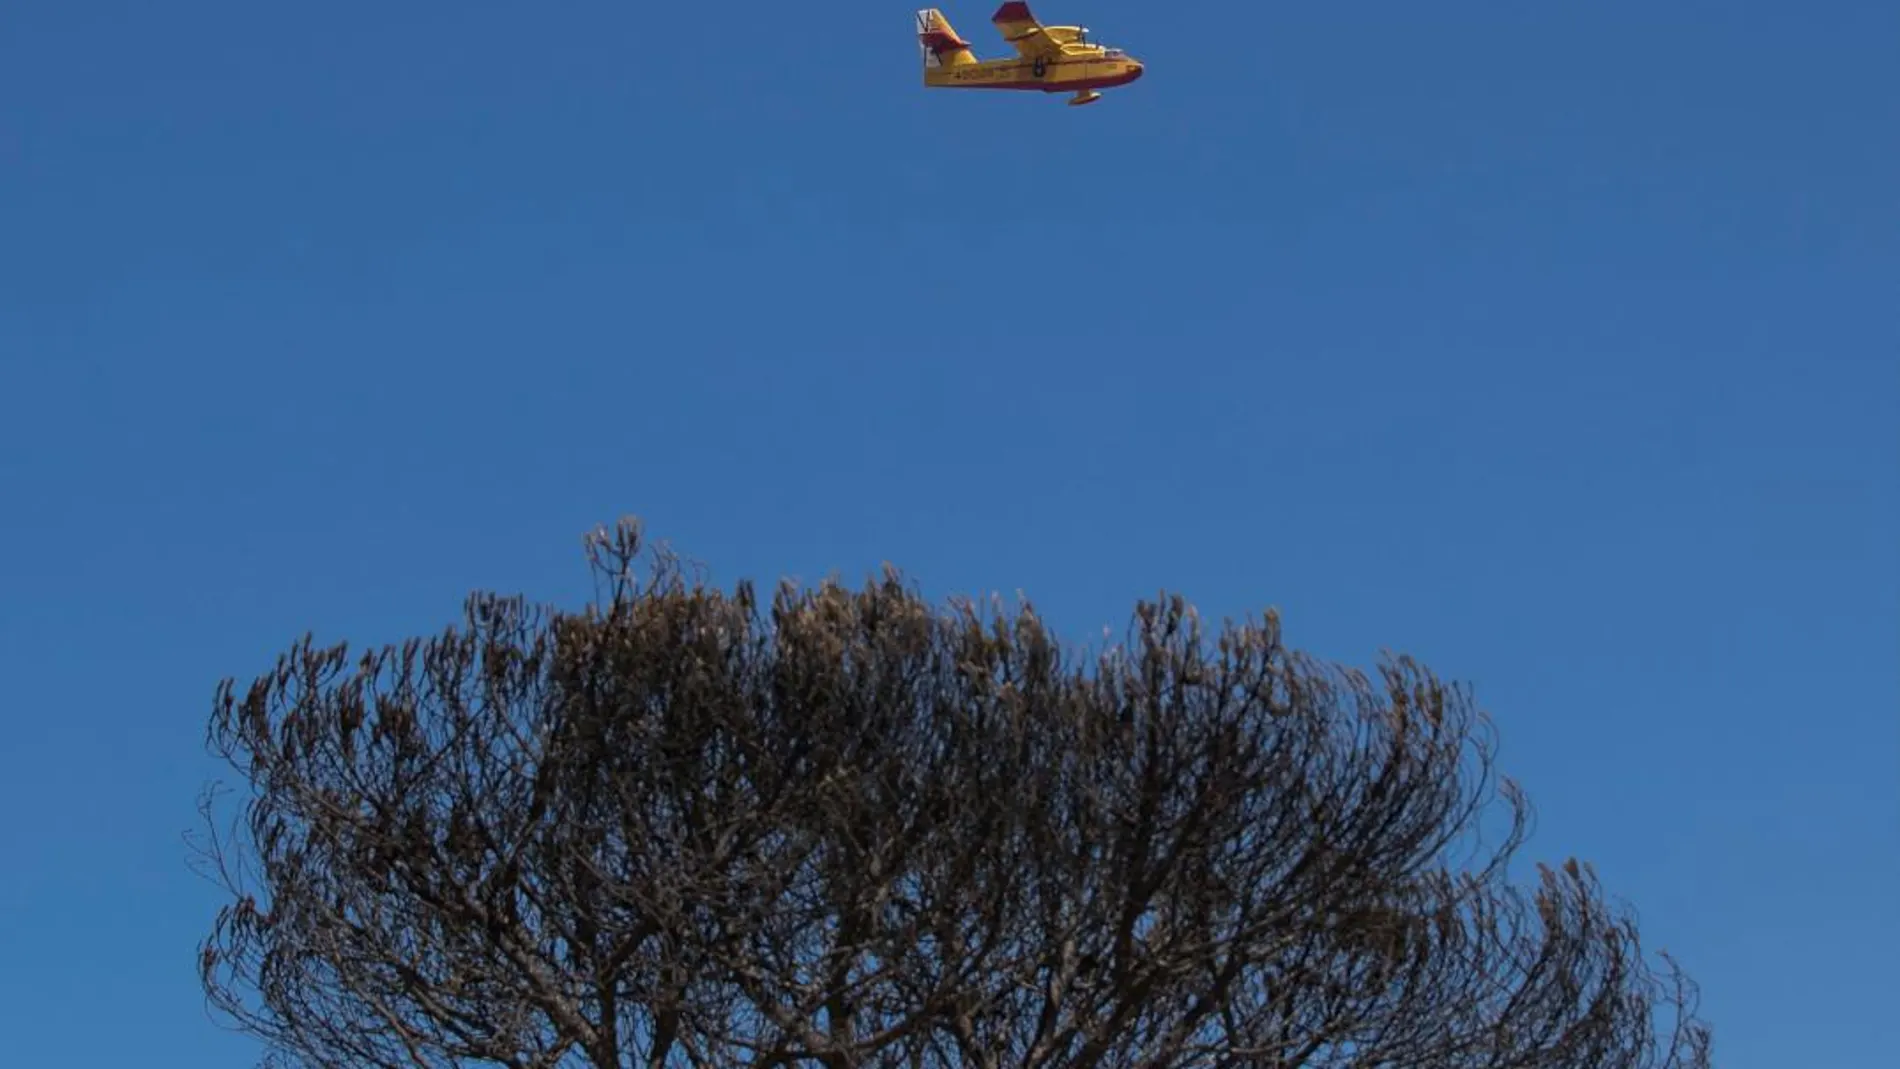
{"points": [[849, 829]]}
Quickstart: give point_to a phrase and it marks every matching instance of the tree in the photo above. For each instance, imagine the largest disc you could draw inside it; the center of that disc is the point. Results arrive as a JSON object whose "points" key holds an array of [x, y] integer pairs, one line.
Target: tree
{"points": [[680, 827]]}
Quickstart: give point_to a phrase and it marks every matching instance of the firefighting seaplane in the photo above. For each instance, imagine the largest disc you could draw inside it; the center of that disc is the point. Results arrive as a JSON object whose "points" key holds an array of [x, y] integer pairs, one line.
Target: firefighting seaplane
{"points": [[1049, 59]]}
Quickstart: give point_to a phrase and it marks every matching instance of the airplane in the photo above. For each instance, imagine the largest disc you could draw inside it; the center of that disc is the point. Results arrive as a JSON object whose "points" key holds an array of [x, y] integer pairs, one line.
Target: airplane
{"points": [[1049, 59]]}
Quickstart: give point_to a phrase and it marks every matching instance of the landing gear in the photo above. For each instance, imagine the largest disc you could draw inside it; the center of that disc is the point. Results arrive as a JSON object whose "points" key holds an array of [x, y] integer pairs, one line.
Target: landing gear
{"points": [[1086, 96]]}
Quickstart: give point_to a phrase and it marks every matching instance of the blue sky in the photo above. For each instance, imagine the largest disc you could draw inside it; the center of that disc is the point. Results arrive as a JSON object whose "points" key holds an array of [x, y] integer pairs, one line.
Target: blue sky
{"points": [[1556, 346]]}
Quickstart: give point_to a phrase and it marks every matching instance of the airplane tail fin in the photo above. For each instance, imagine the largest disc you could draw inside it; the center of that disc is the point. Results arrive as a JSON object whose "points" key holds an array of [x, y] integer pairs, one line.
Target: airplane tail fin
{"points": [[939, 43]]}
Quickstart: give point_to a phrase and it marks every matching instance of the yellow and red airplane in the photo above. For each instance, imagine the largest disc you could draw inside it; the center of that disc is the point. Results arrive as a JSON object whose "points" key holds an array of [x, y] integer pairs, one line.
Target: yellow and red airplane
{"points": [[1049, 59]]}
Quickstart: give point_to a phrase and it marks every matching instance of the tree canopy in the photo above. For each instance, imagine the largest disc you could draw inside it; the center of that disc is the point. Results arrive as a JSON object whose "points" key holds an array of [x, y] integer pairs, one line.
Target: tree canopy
{"points": [[845, 827]]}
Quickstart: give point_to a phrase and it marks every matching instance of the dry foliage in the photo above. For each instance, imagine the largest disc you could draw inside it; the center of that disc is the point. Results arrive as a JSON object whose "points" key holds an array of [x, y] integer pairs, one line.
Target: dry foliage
{"points": [[848, 829]]}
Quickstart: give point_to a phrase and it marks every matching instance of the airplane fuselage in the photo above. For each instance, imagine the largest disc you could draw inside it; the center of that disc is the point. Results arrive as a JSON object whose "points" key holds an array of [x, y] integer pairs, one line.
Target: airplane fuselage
{"points": [[1057, 74]]}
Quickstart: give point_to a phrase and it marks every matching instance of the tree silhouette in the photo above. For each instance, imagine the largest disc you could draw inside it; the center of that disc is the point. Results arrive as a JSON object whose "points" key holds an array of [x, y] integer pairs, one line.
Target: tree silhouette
{"points": [[847, 828]]}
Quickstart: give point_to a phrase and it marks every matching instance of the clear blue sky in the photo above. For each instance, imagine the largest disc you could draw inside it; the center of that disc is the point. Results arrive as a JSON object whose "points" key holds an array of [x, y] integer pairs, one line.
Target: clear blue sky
{"points": [[1558, 347]]}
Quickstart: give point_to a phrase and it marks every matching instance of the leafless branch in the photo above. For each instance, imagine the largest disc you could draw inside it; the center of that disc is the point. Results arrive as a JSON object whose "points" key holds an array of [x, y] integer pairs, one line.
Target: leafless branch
{"points": [[849, 829]]}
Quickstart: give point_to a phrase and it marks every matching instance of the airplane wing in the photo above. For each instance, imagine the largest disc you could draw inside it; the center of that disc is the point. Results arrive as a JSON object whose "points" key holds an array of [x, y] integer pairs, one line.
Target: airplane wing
{"points": [[1022, 31]]}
